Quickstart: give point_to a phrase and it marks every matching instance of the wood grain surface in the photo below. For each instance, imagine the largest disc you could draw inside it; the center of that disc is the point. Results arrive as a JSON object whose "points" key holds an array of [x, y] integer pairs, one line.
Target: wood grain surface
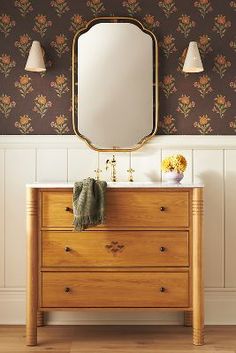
{"points": [[124, 208], [116, 248], [114, 289]]}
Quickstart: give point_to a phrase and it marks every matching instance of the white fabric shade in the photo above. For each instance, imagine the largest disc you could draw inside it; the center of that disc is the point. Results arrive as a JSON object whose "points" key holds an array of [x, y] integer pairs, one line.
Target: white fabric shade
{"points": [[193, 62], [35, 61]]}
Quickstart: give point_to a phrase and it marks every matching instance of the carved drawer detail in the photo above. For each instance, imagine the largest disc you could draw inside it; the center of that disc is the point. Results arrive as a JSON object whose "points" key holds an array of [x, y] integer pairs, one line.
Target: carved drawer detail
{"points": [[114, 247]]}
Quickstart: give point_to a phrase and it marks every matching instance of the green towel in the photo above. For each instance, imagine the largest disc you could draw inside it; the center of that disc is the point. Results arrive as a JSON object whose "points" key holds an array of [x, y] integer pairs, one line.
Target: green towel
{"points": [[88, 203]]}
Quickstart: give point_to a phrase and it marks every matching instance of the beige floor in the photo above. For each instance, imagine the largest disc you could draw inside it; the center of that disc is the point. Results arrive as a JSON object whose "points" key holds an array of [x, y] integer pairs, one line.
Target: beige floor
{"points": [[118, 339]]}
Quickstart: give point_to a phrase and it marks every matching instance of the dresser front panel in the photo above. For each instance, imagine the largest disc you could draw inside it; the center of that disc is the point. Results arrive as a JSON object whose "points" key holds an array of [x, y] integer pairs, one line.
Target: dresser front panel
{"points": [[114, 248], [114, 290], [147, 254], [145, 208]]}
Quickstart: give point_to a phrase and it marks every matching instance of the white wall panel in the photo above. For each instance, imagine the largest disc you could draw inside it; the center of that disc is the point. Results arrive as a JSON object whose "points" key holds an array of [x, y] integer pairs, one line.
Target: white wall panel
{"points": [[208, 168], [188, 175], [81, 164], [230, 218], [19, 170], [147, 164], [51, 165], [2, 242]]}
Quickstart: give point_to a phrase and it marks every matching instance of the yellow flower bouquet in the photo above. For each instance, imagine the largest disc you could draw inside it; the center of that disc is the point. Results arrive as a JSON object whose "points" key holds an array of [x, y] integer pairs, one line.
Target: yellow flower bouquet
{"points": [[174, 167]]}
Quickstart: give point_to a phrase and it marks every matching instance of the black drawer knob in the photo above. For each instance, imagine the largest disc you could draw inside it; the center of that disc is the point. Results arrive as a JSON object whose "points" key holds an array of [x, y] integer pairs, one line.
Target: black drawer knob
{"points": [[67, 249], [162, 209], [162, 249], [68, 209], [162, 289], [66, 289]]}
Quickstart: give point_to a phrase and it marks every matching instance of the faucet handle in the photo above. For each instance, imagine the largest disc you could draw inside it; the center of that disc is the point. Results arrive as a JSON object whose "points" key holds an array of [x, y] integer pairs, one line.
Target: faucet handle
{"points": [[97, 172], [107, 163], [130, 172]]}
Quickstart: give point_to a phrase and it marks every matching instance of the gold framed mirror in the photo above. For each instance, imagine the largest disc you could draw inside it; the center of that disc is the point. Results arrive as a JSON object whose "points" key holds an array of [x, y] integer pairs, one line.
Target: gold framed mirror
{"points": [[115, 84]]}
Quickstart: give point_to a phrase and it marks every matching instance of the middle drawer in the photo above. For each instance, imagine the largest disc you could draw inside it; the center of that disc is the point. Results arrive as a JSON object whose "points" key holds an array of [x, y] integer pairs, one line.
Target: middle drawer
{"points": [[114, 248]]}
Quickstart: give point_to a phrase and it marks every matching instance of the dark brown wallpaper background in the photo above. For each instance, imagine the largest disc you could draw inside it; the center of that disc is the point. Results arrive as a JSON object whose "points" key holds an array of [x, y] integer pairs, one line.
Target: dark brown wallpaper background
{"points": [[204, 103]]}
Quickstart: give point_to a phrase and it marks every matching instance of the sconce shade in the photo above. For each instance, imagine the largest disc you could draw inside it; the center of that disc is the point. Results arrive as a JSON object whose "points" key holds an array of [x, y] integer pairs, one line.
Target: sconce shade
{"points": [[193, 62], [35, 61]]}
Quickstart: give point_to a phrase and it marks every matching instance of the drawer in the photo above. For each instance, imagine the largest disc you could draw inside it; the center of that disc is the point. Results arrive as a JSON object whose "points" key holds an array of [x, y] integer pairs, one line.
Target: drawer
{"points": [[131, 208], [114, 248], [54, 211], [114, 289]]}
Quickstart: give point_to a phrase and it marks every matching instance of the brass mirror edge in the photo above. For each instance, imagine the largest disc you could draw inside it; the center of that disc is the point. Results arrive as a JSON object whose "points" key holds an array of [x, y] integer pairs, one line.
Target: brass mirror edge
{"points": [[145, 139]]}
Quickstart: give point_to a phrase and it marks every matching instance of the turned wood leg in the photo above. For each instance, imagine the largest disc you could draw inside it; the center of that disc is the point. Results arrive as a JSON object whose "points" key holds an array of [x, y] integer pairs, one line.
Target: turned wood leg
{"points": [[40, 318], [32, 268], [188, 318], [198, 297]]}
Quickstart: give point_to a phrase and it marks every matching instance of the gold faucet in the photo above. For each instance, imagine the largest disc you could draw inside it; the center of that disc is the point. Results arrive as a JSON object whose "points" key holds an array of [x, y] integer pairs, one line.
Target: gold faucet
{"points": [[112, 163]]}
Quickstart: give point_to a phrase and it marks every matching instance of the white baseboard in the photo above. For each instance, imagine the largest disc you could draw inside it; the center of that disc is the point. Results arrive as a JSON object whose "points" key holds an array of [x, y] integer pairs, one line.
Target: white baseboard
{"points": [[220, 306], [12, 306], [220, 309]]}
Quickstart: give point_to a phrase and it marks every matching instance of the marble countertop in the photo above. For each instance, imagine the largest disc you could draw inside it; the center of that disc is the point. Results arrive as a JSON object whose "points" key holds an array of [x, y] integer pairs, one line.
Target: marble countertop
{"points": [[121, 184]]}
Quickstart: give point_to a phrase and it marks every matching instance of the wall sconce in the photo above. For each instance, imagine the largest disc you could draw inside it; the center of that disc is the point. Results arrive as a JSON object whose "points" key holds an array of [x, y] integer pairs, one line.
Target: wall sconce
{"points": [[193, 62], [35, 61]]}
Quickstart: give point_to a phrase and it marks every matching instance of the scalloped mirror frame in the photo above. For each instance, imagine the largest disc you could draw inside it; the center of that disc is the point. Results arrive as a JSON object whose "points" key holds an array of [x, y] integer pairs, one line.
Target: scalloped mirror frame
{"points": [[75, 116]]}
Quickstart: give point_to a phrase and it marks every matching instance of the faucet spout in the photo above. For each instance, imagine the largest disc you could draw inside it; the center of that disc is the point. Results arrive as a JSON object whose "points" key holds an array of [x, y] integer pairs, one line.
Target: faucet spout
{"points": [[112, 164]]}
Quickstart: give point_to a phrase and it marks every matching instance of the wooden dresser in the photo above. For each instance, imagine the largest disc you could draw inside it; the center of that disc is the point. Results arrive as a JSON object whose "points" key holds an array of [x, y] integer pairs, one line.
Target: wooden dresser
{"points": [[147, 255]]}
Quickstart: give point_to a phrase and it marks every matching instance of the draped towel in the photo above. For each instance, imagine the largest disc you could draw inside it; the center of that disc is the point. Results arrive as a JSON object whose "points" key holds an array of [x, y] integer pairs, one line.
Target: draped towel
{"points": [[88, 203]]}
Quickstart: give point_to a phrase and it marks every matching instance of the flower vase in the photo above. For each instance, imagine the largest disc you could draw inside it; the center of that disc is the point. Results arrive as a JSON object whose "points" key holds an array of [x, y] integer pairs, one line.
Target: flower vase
{"points": [[173, 177]]}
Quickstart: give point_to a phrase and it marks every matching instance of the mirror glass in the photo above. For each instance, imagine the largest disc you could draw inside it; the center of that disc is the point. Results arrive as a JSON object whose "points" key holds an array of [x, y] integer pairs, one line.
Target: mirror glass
{"points": [[115, 82]]}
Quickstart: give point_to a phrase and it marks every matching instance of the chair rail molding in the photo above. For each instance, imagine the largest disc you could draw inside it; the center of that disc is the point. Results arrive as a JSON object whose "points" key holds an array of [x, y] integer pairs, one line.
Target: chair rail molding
{"points": [[162, 141]]}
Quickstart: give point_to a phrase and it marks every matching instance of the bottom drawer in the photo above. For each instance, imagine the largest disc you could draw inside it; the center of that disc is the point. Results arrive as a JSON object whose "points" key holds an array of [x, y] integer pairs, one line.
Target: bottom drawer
{"points": [[114, 289]]}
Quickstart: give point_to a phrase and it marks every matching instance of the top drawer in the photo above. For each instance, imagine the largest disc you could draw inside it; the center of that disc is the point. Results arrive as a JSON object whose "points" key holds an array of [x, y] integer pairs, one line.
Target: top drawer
{"points": [[131, 208]]}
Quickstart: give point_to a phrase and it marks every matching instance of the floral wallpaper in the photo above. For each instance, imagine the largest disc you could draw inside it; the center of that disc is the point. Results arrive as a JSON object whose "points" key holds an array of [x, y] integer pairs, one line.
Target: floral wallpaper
{"points": [[33, 103]]}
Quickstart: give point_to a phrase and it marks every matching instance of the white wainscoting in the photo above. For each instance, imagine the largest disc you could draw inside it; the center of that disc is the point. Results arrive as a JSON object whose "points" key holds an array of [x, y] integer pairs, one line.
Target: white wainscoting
{"points": [[211, 159]]}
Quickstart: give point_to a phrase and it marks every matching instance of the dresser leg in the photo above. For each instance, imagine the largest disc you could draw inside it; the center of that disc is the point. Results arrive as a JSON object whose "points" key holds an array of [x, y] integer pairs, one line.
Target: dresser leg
{"points": [[40, 318], [188, 318], [198, 297], [32, 268]]}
